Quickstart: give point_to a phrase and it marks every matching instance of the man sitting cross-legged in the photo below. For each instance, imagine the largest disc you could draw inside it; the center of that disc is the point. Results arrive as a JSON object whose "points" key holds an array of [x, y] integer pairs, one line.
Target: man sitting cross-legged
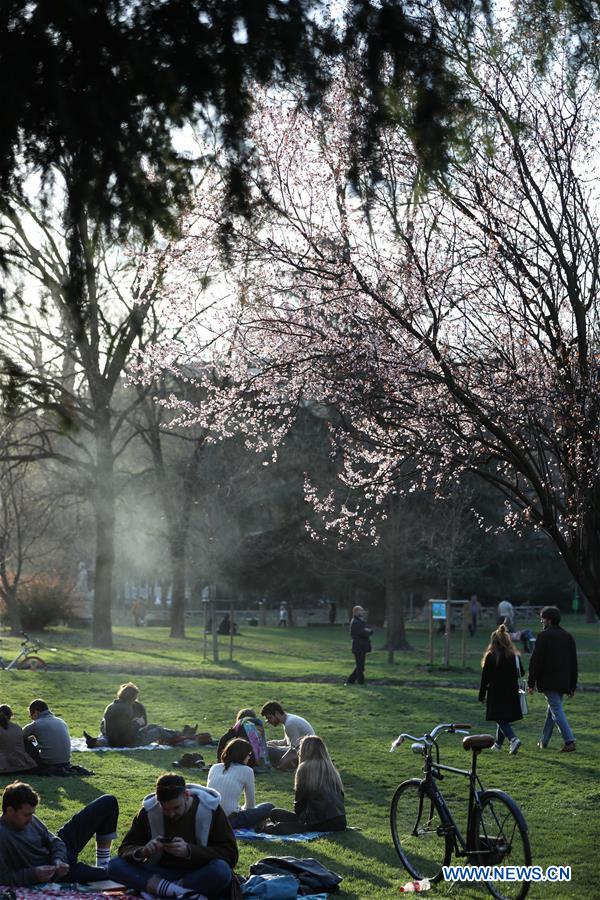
{"points": [[30, 854], [179, 841]]}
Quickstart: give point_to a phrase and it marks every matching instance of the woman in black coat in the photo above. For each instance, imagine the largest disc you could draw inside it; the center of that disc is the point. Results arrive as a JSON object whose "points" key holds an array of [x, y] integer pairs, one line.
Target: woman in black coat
{"points": [[502, 667]]}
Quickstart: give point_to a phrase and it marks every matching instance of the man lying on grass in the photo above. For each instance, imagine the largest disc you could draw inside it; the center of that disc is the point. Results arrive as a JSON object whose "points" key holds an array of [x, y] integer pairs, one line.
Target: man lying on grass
{"points": [[179, 841], [30, 854]]}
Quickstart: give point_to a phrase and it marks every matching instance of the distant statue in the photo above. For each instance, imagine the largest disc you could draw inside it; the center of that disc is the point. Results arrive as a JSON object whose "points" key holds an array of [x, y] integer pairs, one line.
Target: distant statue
{"points": [[82, 578]]}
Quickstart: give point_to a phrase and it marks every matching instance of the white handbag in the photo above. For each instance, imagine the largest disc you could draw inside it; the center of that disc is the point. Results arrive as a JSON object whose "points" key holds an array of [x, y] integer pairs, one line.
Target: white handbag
{"points": [[522, 686]]}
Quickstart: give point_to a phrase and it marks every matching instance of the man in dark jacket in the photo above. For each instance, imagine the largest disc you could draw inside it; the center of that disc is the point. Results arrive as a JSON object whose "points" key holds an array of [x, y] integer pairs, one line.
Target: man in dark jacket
{"points": [[179, 841], [361, 644], [553, 670]]}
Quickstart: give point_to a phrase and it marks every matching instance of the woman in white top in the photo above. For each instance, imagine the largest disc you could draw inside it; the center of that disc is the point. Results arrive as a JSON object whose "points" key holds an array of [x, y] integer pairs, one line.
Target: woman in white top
{"points": [[232, 777]]}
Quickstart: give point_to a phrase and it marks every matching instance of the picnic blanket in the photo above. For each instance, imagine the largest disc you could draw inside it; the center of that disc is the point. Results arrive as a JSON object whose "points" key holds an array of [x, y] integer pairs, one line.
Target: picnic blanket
{"points": [[62, 892], [248, 834], [80, 746]]}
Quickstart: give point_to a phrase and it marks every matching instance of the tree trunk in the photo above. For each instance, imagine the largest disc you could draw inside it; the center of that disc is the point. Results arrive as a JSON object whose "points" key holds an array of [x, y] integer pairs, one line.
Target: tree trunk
{"points": [[104, 513], [178, 565], [395, 638], [394, 597], [590, 615]]}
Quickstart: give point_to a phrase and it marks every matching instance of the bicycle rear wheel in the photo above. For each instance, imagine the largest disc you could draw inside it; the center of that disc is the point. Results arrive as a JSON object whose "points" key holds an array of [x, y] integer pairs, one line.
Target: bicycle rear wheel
{"points": [[33, 663], [500, 838], [419, 836]]}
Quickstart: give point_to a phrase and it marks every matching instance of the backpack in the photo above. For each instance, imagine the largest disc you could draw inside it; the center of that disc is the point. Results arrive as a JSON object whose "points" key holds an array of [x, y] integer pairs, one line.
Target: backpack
{"points": [[312, 875]]}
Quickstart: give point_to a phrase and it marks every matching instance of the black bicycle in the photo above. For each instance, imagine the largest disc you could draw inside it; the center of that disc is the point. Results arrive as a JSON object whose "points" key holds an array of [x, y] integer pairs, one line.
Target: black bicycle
{"points": [[425, 833]]}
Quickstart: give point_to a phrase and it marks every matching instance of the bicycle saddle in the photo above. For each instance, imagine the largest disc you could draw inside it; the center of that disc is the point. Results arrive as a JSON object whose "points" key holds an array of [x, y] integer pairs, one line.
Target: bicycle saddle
{"points": [[478, 742]]}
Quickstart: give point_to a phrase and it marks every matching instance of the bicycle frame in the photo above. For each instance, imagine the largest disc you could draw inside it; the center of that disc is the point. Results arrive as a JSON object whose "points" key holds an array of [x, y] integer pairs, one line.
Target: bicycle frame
{"points": [[22, 654], [29, 647], [432, 771]]}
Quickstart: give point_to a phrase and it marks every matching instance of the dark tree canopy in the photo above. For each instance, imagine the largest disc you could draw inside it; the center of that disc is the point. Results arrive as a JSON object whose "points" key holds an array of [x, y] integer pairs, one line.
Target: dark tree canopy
{"points": [[95, 88]]}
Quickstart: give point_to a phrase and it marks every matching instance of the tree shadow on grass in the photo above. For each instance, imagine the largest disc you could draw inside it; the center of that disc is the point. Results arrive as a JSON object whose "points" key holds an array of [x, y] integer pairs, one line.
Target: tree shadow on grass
{"points": [[55, 790]]}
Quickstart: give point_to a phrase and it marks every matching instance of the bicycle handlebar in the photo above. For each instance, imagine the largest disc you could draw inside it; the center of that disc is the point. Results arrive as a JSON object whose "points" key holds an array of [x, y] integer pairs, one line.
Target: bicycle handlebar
{"points": [[36, 643], [451, 727]]}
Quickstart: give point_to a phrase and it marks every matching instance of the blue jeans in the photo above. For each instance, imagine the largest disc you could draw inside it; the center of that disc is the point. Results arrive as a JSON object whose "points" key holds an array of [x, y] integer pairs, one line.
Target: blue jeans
{"points": [[248, 818], [556, 715], [212, 879], [503, 730], [97, 818]]}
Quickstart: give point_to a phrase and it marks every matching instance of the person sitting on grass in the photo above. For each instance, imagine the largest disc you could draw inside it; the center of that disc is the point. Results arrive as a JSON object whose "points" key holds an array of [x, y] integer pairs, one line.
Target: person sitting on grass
{"points": [[14, 755], [284, 753], [179, 841], [125, 724], [30, 854], [248, 726], [51, 733], [318, 794], [233, 776]]}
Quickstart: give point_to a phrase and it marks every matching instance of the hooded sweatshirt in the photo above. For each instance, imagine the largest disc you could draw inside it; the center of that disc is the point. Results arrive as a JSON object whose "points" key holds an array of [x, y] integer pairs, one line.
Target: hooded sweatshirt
{"points": [[204, 826]]}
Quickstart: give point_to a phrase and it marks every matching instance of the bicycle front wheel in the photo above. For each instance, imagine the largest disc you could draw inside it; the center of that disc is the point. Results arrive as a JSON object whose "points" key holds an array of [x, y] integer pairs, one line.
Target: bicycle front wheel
{"points": [[420, 837], [501, 839], [34, 664]]}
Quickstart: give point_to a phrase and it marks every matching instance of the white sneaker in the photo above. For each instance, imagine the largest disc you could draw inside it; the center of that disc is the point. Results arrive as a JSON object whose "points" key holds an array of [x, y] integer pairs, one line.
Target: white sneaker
{"points": [[514, 746], [496, 748]]}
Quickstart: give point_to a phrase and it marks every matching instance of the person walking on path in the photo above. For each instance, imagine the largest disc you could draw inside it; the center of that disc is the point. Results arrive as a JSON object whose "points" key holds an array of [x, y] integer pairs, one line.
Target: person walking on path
{"points": [[553, 671], [475, 610], [361, 644], [506, 614], [501, 669]]}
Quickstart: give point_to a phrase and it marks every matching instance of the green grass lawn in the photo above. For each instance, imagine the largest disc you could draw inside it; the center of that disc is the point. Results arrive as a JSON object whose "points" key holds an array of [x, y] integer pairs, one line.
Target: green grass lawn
{"points": [[304, 669], [296, 654]]}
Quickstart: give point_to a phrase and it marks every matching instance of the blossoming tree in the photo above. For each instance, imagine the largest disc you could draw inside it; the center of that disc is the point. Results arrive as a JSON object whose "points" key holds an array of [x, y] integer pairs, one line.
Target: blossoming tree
{"points": [[452, 325]]}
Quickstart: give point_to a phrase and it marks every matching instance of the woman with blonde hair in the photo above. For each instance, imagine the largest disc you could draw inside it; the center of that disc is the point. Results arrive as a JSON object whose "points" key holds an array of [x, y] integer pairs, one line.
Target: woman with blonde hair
{"points": [[318, 794], [501, 669]]}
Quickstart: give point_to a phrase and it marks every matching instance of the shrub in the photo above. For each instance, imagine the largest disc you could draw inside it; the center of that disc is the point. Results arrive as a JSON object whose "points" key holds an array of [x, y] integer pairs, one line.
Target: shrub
{"points": [[44, 600]]}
